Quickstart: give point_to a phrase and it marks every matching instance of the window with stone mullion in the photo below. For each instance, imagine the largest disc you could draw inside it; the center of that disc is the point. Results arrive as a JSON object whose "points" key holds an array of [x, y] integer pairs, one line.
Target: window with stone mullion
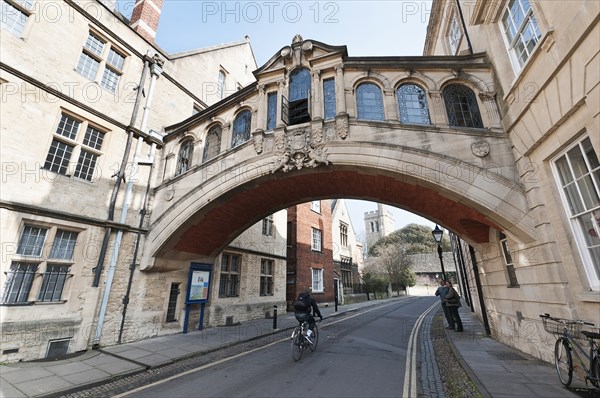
{"points": [[18, 282], [53, 282], [578, 175]]}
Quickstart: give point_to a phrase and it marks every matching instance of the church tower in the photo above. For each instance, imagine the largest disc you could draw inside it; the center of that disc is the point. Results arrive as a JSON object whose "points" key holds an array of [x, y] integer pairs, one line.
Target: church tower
{"points": [[378, 223]]}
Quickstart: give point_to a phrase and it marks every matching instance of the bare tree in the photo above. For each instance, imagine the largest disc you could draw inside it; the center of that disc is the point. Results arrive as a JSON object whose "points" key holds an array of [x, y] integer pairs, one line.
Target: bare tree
{"points": [[394, 261]]}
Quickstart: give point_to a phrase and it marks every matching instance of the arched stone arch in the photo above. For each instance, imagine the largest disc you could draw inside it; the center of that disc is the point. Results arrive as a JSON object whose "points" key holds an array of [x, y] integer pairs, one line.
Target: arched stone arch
{"points": [[465, 198], [416, 78], [367, 79]]}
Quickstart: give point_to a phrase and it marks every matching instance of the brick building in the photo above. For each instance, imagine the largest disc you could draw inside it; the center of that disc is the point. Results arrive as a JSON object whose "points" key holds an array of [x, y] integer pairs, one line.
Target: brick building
{"points": [[309, 252]]}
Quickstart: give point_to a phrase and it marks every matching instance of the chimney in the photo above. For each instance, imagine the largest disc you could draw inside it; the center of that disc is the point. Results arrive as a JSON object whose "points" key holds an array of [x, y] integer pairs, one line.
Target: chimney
{"points": [[144, 18]]}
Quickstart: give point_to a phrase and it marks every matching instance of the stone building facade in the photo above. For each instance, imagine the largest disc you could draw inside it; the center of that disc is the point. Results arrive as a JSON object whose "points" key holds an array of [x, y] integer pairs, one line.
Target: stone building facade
{"points": [[546, 60], [85, 98], [347, 252]]}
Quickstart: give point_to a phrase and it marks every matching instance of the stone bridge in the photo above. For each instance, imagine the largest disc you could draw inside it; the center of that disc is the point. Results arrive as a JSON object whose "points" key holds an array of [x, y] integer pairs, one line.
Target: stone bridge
{"points": [[420, 133]]}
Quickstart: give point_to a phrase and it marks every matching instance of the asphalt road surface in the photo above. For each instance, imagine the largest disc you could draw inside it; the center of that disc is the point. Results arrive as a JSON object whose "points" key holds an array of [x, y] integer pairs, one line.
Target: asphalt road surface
{"points": [[362, 354]]}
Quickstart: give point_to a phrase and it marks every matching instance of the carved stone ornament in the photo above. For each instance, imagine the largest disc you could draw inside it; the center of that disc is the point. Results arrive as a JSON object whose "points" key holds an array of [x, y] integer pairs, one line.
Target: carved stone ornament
{"points": [[279, 137], [317, 134], [286, 52], [341, 125], [258, 136], [297, 39], [307, 46], [480, 148], [170, 194], [299, 153]]}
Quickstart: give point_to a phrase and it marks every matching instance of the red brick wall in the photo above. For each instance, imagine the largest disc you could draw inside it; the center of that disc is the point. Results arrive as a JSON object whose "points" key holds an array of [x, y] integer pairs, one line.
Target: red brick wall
{"points": [[301, 258], [146, 12]]}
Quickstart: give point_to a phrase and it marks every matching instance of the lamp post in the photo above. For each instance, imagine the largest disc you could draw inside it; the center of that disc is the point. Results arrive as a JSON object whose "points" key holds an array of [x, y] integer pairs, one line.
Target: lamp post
{"points": [[437, 235]]}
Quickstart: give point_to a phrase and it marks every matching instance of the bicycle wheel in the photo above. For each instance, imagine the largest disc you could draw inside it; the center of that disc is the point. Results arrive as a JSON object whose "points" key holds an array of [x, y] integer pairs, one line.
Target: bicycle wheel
{"points": [[314, 339], [297, 346], [563, 361], [595, 372]]}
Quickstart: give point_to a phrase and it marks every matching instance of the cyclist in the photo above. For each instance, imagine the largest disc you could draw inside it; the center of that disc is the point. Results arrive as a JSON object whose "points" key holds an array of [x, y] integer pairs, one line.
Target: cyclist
{"points": [[303, 306]]}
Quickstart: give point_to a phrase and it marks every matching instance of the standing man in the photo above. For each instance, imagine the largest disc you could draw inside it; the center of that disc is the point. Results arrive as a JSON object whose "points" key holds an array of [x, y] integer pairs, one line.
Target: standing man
{"points": [[441, 291]]}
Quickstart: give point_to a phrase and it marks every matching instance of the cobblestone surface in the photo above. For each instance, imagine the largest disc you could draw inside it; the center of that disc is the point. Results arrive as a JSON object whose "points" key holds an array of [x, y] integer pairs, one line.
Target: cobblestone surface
{"points": [[455, 380], [431, 381]]}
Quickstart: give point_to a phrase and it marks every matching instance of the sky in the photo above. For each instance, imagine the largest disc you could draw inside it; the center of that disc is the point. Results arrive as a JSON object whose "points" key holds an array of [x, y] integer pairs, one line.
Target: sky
{"points": [[367, 28]]}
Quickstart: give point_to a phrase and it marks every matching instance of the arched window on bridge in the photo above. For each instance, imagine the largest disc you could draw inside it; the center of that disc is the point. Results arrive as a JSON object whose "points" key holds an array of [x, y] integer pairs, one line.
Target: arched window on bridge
{"points": [[369, 102], [295, 108], [213, 143], [184, 160], [461, 107], [412, 104], [241, 128]]}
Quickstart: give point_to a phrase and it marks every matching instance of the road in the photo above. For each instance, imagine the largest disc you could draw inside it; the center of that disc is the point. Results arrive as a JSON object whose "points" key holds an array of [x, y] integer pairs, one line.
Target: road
{"points": [[359, 355]]}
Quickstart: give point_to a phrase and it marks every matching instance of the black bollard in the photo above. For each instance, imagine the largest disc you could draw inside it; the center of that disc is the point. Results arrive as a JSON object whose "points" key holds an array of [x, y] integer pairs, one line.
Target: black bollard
{"points": [[274, 317]]}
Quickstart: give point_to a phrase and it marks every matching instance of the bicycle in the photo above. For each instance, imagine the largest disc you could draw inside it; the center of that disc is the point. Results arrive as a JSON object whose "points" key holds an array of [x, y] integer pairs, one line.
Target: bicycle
{"points": [[300, 338], [568, 332]]}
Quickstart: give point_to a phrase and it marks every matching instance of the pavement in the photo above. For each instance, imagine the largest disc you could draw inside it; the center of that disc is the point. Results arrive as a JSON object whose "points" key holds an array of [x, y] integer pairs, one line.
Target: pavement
{"points": [[496, 369]]}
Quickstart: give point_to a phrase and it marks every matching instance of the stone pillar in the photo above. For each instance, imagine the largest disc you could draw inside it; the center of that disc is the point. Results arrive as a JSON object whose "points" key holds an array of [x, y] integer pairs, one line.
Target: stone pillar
{"points": [[261, 109], [340, 90], [389, 105], [316, 107], [281, 87], [437, 111], [225, 137], [489, 101]]}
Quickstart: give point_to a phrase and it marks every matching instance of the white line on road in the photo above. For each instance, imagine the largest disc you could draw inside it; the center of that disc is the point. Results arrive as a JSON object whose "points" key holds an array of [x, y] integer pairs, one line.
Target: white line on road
{"points": [[220, 361], [410, 370]]}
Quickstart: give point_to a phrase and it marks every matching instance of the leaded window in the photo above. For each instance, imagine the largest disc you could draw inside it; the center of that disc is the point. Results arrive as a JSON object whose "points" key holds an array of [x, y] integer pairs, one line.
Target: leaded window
{"points": [[461, 106], [266, 277], [521, 31], [454, 36], [230, 275], [241, 128], [56, 263], [271, 110], [64, 245], [315, 206], [221, 85], [298, 97], [300, 84], [97, 54], [508, 261], [213, 144], [66, 143], [32, 241], [184, 159], [18, 282], [343, 234], [578, 175], [369, 102], [267, 226], [412, 104], [53, 282], [329, 101], [172, 305], [14, 15]]}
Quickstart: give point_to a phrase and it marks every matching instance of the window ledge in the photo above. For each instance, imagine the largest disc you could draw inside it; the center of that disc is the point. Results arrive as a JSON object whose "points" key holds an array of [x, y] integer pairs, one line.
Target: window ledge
{"points": [[49, 302], [16, 304], [546, 42]]}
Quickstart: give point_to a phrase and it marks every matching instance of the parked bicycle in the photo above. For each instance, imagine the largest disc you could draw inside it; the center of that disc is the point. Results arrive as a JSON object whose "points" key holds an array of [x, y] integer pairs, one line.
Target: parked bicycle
{"points": [[303, 337], [568, 332]]}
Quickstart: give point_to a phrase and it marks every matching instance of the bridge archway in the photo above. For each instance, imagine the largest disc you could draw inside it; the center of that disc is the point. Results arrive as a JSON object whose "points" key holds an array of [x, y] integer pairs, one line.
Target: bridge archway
{"points": [[215, 207]]}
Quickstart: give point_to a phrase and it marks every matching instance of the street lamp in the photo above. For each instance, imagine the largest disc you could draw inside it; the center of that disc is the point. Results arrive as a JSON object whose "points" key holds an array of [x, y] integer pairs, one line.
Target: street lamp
{"points": [[437, 235]]}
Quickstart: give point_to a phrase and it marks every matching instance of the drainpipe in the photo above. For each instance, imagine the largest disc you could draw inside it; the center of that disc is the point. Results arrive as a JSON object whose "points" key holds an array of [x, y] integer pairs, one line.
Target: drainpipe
{"points": [[156, 71], [138, 236], [120, 175], [486, 324], [462, 20]]}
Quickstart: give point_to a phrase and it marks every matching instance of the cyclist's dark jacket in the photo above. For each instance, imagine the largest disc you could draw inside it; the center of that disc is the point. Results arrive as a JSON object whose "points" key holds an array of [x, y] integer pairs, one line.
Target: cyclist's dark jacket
{"points": [[313, 304]]}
